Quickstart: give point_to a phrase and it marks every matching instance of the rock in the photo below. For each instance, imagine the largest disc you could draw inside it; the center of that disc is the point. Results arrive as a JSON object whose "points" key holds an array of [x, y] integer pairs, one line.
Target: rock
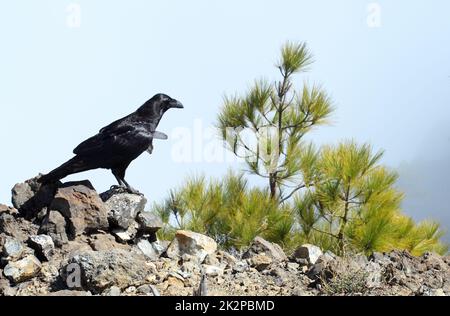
{"points": [[123, 208], [292, 266], [12, 249], [31, 197], [126, 235], [5, 288], [103, 242], [262, 246], [8, 210], [68, 293], [211, 260], [43, 245], [212, 271], [240, 266], [151, 250], [54, 225], [260, 262], [82, 208], [309, 252], [112, 291], [191, 243], [22, 270], [149, 223], [17, 228], [148, 290], [104, 269]]}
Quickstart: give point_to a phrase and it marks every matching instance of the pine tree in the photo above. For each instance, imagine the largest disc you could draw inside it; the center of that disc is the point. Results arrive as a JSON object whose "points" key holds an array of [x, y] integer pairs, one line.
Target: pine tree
{"points": [[280, 116]]}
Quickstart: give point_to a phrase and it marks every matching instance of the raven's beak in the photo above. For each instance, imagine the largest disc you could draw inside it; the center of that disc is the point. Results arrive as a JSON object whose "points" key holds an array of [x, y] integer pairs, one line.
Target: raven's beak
{"points": [[176, 104]]}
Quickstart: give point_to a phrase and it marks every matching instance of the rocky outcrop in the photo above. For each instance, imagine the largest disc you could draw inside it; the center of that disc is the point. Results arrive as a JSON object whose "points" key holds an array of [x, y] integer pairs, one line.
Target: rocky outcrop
{"points": [[70, 241]]}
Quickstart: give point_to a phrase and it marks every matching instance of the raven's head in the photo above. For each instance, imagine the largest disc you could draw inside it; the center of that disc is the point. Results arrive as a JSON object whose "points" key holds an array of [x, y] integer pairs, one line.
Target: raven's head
{"points": [[158, 105]]}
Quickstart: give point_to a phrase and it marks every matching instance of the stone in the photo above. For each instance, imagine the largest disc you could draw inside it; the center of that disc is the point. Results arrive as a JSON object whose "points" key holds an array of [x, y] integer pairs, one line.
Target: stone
{"points": [[54, 225], [148, 290], [193, 244], [68, 293], [112, 291], [240, 267], [212, 271], [12, 249], [309, 252], [260, 245], [123, 208], [103, 269], [81, 207], [292, 266], [151, 250], [43, 246], [22, 270], [104, 242], [260, 262], [8, 210], [16, 227], [30, 197], [5, 288], [126, 235], [149, 223]]}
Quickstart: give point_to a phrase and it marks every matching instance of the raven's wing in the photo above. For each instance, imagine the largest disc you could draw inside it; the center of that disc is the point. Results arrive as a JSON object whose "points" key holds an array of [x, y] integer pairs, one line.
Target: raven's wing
{"points": [[125, 139]]}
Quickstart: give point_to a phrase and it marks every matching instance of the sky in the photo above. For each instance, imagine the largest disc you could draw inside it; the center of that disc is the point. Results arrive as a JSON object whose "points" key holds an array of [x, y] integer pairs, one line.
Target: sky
{"points": [[68, 68]]}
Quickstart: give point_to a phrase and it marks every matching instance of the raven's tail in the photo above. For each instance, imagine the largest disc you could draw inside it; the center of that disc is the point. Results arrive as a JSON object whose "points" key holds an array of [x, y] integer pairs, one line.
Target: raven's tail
{"points": [[74, 165]]}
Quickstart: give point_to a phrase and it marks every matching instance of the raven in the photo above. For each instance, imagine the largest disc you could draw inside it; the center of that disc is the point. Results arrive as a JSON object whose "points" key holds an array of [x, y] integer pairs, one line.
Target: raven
{"points": [[119, 143]]}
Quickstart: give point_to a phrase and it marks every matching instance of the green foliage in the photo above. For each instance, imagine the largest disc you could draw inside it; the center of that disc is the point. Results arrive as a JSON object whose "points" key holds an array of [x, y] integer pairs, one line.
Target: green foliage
{"points": [[228, 210], [353, 205], [280, 116]]}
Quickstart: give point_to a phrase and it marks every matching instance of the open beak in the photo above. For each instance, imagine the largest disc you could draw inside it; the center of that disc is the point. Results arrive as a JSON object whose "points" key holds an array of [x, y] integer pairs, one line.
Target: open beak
{"points": [[176, 104]]}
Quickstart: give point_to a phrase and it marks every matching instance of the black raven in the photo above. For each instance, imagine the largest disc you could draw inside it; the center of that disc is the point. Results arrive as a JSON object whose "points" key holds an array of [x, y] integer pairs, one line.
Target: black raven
{"points": [[119, 143]]}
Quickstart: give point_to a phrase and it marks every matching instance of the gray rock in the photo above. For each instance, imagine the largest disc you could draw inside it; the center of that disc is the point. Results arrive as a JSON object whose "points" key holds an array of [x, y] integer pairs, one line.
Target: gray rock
{"points": [[12, 249], [31, 197], [68, 293], [240, 267], [54, 225], [309, 252], [212, 271], [82, 208], [149, 223], [151, 250], [193, 244], [104, 269], [43, 245], [126, 235], [112, 291], [262, 246], [123, 208], [22, 270], [148, 290]]}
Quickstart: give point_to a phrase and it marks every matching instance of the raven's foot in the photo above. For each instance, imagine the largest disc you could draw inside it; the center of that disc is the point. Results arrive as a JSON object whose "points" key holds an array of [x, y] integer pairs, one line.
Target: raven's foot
{"points": [[119, 189], [133, 191]]}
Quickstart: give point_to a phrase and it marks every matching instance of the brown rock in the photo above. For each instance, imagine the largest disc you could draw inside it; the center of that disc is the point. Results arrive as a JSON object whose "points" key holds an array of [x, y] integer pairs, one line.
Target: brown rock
{"points": [[82, 208], [262, 246], [31, 197], [54, 225]]}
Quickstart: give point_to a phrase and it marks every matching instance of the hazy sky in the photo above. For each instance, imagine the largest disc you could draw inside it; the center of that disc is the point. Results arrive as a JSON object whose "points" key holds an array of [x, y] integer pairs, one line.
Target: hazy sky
{"points": [[64, 75]]}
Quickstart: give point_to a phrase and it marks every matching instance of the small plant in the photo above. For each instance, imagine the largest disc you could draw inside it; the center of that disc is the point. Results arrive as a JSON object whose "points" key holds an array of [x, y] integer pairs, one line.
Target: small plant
{"points": [[349, 282]]}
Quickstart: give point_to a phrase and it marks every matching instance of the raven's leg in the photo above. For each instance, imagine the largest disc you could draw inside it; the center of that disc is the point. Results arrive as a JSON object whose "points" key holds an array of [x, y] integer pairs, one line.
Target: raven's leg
{"points": [[131, 189], [119, 173]]}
